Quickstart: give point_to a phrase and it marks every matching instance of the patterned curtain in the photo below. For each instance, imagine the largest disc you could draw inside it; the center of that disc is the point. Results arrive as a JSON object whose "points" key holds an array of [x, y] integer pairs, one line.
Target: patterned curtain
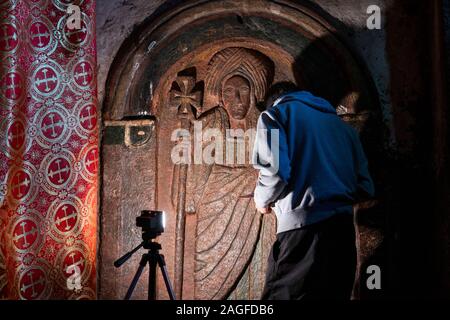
{"points": [[48, 150]]}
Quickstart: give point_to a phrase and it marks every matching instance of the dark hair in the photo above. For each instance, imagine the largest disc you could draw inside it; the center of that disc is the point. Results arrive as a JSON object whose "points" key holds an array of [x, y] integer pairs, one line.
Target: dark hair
{"points": [[279, 89]]}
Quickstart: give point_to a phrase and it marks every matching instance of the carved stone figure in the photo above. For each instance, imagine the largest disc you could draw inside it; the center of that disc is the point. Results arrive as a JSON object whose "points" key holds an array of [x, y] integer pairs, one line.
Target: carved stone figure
{"points": [[220, 193]]}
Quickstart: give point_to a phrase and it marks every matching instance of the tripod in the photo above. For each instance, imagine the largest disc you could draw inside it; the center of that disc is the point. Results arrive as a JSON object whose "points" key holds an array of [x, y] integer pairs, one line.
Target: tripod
{"points": [[153, 258]]}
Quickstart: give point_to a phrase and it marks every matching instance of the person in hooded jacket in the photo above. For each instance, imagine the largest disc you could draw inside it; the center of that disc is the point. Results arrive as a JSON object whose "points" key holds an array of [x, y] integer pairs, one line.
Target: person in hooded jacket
{"points": [[312, 170]]}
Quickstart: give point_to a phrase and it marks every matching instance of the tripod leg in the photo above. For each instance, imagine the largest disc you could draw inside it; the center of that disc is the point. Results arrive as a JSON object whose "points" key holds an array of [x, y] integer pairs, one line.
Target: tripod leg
{"points": [[136, 276], [152, 277], [162, 265]]}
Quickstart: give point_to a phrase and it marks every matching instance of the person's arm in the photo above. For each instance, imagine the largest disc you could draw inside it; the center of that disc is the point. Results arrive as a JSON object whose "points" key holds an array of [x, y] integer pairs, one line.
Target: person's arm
{"points": [[271, 158]]}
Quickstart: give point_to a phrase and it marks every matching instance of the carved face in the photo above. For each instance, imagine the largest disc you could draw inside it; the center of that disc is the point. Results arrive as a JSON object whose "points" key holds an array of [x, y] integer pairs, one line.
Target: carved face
{"points": [[236, 96]]}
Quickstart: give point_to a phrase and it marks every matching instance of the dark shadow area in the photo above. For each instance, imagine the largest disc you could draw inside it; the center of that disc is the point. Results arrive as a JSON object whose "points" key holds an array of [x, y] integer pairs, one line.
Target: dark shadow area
{"points": [[413, 206], [399, 232]]}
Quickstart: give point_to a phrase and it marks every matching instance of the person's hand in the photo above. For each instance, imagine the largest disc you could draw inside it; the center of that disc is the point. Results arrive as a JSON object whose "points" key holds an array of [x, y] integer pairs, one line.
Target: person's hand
{"points": [[265, 210]]}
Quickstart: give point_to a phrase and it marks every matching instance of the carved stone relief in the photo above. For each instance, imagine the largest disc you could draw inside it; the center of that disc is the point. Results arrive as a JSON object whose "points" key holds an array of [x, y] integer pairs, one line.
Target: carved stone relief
{"points": [[219, 194], [209, 65]]}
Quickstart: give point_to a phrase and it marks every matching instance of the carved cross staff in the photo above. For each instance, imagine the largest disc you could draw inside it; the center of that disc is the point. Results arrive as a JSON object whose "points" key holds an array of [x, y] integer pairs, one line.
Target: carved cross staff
{"points": [[184, 101]]}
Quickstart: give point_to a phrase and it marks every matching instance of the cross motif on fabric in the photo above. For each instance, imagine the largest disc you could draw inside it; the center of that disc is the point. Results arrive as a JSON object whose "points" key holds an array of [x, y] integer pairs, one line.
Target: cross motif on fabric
{"points": [[39, 35]]}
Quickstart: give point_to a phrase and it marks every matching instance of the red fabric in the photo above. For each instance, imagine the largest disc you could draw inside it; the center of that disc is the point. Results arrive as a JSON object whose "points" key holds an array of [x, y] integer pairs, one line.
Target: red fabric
{"points": [[49, 150]]}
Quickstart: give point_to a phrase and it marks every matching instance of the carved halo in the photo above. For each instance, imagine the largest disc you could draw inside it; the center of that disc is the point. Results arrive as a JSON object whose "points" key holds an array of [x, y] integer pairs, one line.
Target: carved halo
{"points": [[249, 64]]}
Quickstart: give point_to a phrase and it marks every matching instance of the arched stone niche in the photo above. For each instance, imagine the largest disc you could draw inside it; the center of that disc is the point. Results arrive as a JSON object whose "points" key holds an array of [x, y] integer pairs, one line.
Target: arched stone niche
{"points": [[171, 73]]}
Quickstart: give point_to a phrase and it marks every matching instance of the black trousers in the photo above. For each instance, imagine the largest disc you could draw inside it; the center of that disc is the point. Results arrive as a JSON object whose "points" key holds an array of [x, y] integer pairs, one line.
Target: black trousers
{"points": [[314, 262]]}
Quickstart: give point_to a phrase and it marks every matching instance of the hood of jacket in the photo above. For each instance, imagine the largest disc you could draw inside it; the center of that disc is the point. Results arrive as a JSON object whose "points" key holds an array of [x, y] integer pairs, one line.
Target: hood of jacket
{"points": [[308, 99]]}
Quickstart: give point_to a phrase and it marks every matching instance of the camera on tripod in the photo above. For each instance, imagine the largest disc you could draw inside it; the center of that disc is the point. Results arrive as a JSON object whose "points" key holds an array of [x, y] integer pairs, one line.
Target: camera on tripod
{"points": [[152, 224]]}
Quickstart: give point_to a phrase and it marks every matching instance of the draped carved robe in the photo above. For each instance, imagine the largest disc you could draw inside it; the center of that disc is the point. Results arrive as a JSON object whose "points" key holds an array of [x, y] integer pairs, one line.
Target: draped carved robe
{"points": [[228, 224]]}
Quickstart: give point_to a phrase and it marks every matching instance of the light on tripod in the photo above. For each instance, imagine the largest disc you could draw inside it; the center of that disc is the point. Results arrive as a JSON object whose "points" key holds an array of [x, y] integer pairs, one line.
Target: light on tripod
{"points": [[164, 220], [153, 224]]}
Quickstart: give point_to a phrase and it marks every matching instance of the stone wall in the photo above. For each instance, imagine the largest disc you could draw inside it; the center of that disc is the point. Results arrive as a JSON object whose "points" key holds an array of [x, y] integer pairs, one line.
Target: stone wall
{"points": [[397, 58]]}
